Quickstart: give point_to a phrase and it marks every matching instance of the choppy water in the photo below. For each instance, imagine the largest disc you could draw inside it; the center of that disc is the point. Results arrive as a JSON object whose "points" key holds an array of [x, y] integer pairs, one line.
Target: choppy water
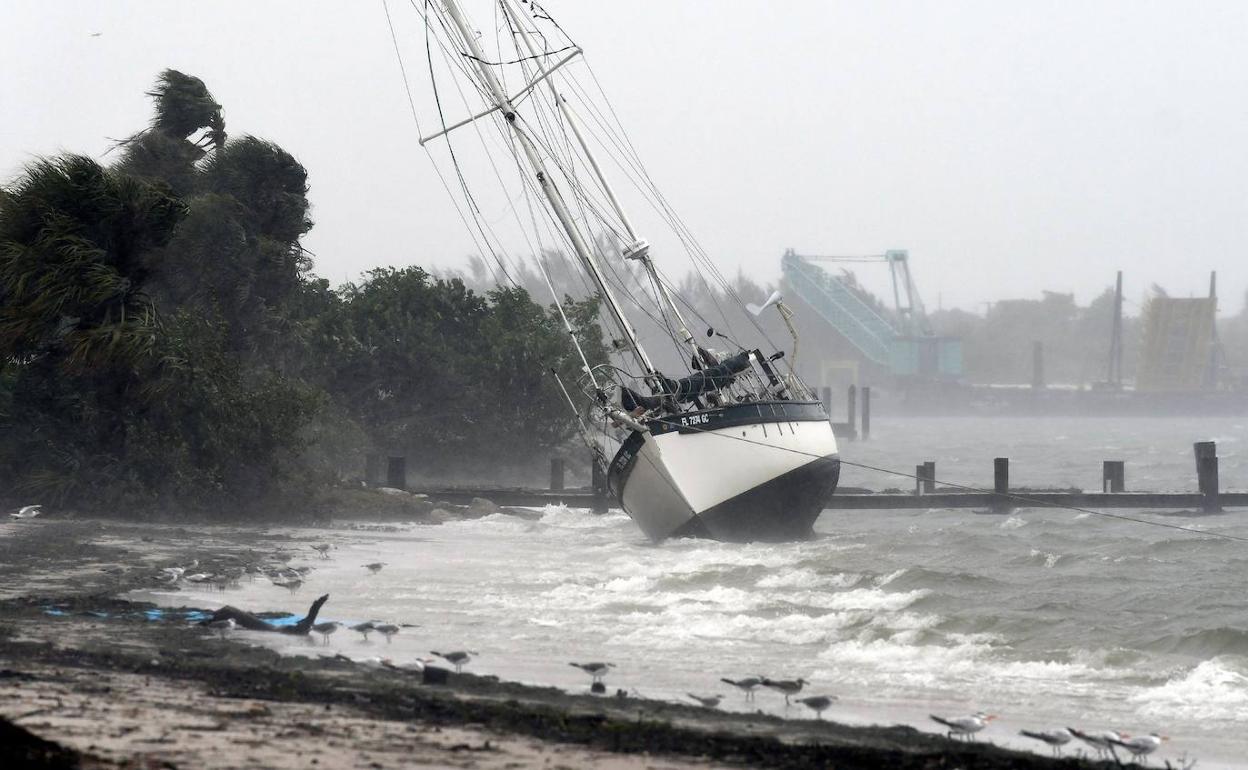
{"points": [[1044, 617]]}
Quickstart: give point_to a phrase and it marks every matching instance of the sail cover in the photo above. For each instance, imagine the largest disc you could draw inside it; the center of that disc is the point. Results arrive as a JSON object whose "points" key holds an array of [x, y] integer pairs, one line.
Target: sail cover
{"points": [[688, 388]]}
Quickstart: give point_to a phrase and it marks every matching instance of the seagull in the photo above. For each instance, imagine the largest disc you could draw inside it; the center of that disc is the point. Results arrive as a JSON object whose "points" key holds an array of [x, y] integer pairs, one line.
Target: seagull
{"points": [[965, 726], [322, 549], [817, 703], [1101, 741], [172, 574], [595, 670], [1142, 745], [786, 686], [375, 567], [387, 630], [326, 628], [458, 659], [291, 585], [1056, 739], [198, 577], [746, 685], [26, 512], [364, 628], [222, 626], [707, 701]]}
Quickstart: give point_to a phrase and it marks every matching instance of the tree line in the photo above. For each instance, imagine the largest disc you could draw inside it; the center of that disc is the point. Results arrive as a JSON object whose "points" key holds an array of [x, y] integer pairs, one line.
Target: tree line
{"points": [[165, 345]]}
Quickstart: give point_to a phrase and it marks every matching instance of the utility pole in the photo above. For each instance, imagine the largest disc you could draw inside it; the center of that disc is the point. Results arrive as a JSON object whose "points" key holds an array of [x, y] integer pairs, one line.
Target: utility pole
{"points": [[1115, 339]]}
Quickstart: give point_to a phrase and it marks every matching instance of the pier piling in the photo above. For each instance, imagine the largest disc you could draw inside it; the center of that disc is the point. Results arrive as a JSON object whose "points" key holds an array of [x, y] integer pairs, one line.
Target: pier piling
{"points": [[396, 472], [1207, 475], [925, 478], [1113, 476], [1001, 483], [556, 474], [598, 482]]}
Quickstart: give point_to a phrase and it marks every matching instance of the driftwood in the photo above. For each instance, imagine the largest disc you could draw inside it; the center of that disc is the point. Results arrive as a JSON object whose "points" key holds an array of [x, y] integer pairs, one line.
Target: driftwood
{"points": [[250, 622]]}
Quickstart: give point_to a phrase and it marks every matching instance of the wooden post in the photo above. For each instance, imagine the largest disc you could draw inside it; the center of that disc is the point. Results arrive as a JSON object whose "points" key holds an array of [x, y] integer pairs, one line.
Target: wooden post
{"points": [[866, 413], [598, 478], [372, 469], [852, 409], [1037, 365], [556, 474], [1207, 475], [1113, 476], [396, 472], [825, 395], [1001, 482], [929, 476]]}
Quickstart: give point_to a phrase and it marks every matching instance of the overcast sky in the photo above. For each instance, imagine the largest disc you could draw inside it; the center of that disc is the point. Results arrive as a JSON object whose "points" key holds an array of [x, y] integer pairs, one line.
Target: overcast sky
{"points": [[1009, 146]]}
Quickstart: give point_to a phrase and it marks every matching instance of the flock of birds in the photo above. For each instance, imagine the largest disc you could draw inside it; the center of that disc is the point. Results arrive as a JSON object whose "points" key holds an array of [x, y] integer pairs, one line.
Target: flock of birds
{"points": [[1103, 743]]}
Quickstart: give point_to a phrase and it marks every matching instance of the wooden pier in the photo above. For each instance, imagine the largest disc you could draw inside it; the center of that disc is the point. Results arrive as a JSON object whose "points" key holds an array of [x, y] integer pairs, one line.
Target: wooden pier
{"points": [[1208, 498]]}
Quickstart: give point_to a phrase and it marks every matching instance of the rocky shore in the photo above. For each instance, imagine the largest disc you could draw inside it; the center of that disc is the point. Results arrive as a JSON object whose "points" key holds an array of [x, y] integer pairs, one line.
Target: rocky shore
{"points": [[90, 680]]}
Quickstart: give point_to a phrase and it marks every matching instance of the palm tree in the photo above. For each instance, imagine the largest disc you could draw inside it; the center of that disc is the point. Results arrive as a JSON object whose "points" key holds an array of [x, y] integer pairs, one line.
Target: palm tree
{"points": [[166, 150]]}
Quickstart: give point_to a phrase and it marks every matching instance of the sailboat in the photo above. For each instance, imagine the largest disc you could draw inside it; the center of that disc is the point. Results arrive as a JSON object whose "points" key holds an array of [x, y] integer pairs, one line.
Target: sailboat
{"points": [[726, 443]]}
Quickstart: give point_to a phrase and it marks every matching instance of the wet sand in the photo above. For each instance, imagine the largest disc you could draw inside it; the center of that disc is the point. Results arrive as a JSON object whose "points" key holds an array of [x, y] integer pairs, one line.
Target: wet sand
{"points": [[115, 687]]}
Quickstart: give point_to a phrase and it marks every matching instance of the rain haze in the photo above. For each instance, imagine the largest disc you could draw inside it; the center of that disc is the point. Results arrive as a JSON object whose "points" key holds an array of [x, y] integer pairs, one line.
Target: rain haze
{"points": [[534, 383], [1009, 147]]}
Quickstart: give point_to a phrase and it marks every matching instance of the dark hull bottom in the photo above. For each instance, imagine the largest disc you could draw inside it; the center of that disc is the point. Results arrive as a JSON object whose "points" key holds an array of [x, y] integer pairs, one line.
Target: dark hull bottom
{"points": [[783, 509]]}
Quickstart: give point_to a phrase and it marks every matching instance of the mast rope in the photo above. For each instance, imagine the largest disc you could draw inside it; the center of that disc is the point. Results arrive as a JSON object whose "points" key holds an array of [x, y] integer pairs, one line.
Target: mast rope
{"points": [[416, 121], [521, 59]]}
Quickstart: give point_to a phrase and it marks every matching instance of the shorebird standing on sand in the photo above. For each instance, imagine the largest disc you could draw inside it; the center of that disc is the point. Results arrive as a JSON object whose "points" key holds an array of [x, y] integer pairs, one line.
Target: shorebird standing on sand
{"points": [[707, 701], [747, 685], [1141, 745], [325, 629], [386, 629], [458, 659], [1101, 741], [1055, 739], [788, 687], [595, 670], [364, 629], [375, 567], [965, 727], [322, 549], [817, 703], [26, 512]]}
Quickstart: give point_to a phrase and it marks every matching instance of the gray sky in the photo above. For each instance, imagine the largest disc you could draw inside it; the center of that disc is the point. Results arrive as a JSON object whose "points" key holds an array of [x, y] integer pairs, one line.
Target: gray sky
{"points": [[1010, 146]]}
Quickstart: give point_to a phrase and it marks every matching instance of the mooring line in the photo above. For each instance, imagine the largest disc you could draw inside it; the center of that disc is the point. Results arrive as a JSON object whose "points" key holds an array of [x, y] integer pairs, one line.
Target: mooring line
{"points": [[968, 488]]}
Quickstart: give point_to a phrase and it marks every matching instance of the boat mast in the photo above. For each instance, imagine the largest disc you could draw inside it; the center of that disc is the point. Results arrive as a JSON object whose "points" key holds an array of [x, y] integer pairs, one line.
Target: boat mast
{"points": [[552, 193], [639, 248]]}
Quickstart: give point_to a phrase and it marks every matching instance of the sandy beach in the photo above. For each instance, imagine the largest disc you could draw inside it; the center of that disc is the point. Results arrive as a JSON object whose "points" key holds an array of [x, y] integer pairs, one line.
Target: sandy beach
{"points": [[117, 683]]}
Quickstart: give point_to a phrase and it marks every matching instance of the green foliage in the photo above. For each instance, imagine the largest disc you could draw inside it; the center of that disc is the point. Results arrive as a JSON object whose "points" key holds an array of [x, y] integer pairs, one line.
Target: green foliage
{"points": [[183, 105], [74, 241], [452, 377], [163, 345], [165, 151]]}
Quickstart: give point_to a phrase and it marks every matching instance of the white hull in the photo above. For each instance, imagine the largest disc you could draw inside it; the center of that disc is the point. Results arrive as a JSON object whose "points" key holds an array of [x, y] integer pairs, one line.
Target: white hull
{"points": [[763, 480]]}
